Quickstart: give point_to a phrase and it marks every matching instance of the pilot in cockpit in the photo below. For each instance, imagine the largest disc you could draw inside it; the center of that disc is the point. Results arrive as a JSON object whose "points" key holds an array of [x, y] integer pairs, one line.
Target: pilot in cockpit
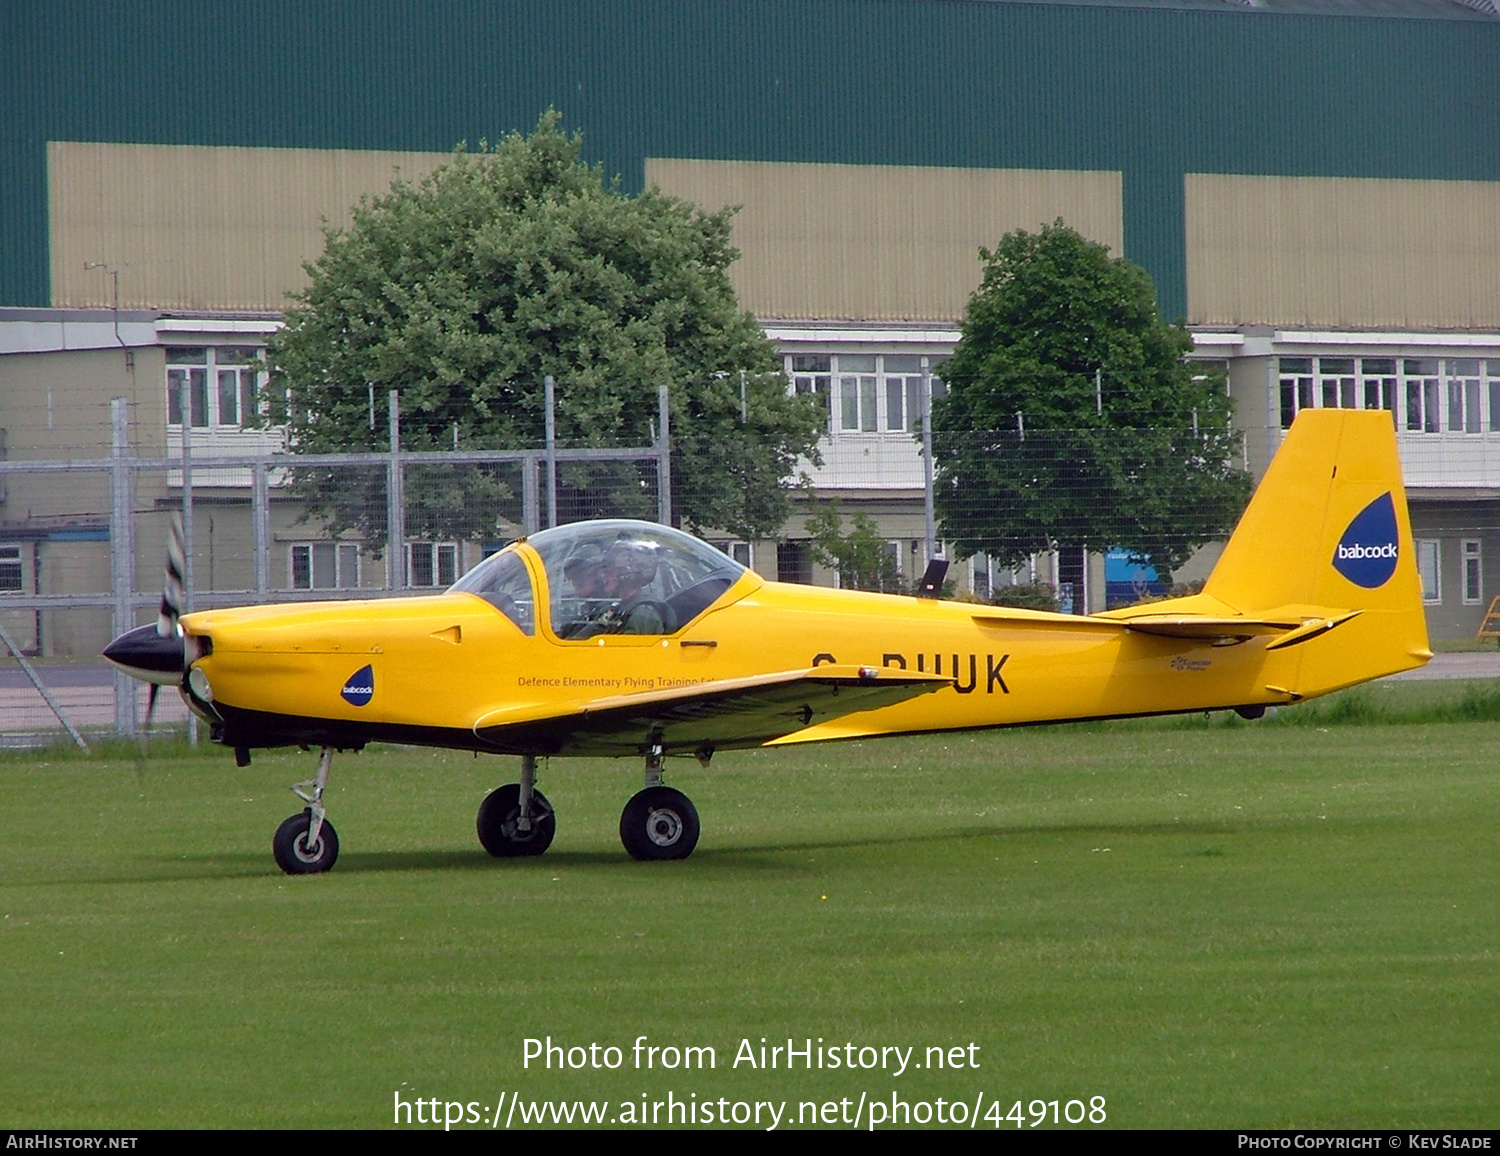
{"points": [[611, 589], [629, 567], [584, 571]]}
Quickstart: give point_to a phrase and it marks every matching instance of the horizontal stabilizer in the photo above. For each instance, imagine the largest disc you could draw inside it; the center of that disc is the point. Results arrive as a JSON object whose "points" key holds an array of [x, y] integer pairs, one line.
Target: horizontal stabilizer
{"points": [[1015, 619], [1212, 630], [1314, 628], [1287, 626]]}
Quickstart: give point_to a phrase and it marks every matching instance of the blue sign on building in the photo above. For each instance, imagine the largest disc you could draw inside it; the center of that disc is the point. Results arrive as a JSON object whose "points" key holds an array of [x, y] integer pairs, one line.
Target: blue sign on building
{"points": [[1127, 580]]}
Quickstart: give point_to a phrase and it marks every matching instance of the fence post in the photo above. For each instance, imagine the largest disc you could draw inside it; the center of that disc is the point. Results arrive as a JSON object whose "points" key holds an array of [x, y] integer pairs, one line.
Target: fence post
{"points": [[551, 396], [187, 522], [531, 518], [927, 503], [187, 497], [122, 555], [260, 513], [395, 501], [663, 458]]}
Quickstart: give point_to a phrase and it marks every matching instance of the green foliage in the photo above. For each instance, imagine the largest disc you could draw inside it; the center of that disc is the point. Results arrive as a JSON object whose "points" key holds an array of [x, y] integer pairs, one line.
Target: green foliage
{"points": [[1151, 469], [465, 289], [1369, 705], [862, 557], [1026, 596]]}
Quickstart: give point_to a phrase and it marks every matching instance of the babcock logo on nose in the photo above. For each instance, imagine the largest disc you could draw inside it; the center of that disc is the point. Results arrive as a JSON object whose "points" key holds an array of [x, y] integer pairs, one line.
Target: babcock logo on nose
{"points": [[360, 687], [1366, 554]]}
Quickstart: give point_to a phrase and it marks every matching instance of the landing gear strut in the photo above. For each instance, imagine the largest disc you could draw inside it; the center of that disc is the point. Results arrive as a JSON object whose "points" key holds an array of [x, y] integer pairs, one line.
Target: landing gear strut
{"points": [[658, 822], [516, 819], [307, 844]]}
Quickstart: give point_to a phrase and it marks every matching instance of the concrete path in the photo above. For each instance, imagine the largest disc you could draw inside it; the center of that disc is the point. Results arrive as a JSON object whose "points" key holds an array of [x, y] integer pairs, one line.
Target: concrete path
{"points": [[1483, 664], [84, 690]]}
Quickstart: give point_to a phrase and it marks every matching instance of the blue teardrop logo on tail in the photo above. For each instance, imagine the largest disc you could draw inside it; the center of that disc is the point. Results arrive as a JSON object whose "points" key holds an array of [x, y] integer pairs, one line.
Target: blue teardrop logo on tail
{"points": [[1366, 554], [359, 688]]}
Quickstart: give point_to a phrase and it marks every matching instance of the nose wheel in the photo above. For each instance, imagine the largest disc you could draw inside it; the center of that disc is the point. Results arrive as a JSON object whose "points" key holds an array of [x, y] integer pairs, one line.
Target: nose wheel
{"points": [[307, 844], [516, 819], [499, 823], [297, 854]]}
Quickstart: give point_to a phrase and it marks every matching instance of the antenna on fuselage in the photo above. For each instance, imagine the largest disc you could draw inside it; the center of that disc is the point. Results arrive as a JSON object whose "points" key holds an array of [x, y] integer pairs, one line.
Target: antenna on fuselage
{"points": [[931, 584]]}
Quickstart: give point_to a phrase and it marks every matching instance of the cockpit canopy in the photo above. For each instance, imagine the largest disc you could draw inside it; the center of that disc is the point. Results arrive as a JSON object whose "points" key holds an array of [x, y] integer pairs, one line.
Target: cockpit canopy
{"points": [[610, 577]]}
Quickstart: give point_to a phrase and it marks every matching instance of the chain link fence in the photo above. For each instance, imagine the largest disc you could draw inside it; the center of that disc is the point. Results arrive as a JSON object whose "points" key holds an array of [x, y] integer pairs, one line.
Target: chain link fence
{"points": [[1074, 521], [85, 562]]}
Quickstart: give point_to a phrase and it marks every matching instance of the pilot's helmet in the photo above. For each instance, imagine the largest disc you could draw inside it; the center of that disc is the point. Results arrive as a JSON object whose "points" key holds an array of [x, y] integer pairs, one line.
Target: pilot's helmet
{"points": [[582, 561], [634, 562]]}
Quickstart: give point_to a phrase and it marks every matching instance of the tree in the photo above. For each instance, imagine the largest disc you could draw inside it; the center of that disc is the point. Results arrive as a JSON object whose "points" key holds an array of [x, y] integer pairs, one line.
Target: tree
{"points": [[862, 557], [464, 290], [1072, 418]]}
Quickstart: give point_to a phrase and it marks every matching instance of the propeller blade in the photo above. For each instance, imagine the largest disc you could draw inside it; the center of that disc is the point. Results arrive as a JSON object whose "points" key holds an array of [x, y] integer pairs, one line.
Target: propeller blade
{"points": [[157, 654], [171, 589], [140, 752]]}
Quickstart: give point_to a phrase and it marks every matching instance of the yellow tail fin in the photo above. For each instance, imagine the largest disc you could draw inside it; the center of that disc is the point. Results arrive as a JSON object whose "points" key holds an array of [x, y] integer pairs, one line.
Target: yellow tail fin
{"points": [[1327, 532]]}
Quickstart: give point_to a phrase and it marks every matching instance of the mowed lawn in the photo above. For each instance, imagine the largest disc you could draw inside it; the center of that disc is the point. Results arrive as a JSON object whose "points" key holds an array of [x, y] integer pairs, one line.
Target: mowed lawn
{"points": [[1206, 925]]}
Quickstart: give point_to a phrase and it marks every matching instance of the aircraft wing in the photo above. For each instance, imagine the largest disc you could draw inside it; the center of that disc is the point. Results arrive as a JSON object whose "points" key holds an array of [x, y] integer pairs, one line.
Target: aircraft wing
{"points": [[738, 712]]}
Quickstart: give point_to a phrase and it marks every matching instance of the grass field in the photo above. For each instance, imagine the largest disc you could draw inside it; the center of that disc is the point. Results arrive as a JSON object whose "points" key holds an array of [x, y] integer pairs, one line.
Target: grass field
{"points": [[1208, 925]]}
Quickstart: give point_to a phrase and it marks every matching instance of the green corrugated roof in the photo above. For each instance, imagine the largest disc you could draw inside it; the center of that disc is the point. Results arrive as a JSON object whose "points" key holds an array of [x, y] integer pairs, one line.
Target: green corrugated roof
{"points": [[1411, 9], [1153, 93]]}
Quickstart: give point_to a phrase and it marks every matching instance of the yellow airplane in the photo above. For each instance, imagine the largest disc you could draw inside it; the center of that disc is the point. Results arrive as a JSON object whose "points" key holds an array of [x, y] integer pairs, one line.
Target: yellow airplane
{"points": [[628, 638]]}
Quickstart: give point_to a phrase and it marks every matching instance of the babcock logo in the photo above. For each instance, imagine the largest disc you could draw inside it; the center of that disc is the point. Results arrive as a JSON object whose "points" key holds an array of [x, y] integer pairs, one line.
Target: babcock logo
{"points": [[1366, 554], [360, 687]]}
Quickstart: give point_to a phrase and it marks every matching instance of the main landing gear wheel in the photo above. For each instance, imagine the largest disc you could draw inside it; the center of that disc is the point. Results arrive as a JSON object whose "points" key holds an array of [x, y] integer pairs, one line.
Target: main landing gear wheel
{"points": [[295, 856], [499, 823], [659, 823]]}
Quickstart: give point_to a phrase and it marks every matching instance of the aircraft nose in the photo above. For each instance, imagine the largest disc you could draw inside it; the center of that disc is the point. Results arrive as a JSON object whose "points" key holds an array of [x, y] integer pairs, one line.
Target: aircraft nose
{"points": [[144, 654]]}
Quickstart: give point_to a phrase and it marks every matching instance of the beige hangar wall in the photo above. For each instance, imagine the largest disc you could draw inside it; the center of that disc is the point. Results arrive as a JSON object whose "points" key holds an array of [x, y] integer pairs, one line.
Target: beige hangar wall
{"points": [[880, 243]]}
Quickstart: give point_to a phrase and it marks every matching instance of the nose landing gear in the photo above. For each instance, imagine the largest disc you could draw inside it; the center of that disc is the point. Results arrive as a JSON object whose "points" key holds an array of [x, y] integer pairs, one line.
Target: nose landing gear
{"points": [[307, 844], [516, 819]]}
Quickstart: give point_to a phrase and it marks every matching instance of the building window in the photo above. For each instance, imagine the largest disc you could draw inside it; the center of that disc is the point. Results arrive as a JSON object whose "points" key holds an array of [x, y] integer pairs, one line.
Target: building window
{"points": [[1473, 574], [1425, 394], [981, 578], [1429, 569], [812, 374], [1296, 388], [431, 563], [1420, 384], [903, 393], [1463, 395], [739, 551], [1378, 382], [794, 561], [1336, 383], [858, 394], [222, 386], [12, 574], [325, 566], [866, 392], [893, 563]]}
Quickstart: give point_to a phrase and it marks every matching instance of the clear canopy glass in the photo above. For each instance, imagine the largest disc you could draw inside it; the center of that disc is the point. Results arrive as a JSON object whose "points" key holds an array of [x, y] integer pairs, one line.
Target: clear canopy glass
{"points": [[612, 577]]}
